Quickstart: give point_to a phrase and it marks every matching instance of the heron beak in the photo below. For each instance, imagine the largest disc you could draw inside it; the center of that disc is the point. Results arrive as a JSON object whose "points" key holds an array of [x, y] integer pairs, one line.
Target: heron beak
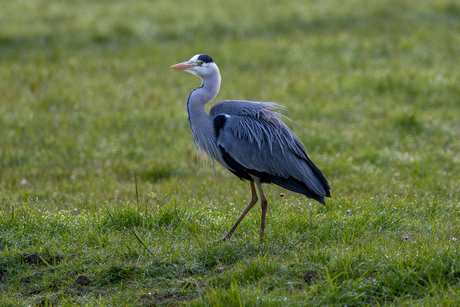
{"points": [[183, 65]]}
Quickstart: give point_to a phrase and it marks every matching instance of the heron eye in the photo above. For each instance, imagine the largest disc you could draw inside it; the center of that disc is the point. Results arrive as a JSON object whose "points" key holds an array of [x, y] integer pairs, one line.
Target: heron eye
{"points": [[201, 62]]}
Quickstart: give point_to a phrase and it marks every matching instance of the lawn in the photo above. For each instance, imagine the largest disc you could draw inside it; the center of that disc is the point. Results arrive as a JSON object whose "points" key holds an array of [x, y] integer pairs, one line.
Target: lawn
{"points": [[104, 200]]}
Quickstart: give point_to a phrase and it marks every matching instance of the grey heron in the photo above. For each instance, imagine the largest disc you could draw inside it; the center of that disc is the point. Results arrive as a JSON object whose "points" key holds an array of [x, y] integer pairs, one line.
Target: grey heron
{"points": [[250, 139]]}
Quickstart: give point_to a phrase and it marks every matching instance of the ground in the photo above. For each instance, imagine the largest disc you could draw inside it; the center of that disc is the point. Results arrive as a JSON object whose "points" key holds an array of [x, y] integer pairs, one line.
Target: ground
{"points": [[104, 200]]}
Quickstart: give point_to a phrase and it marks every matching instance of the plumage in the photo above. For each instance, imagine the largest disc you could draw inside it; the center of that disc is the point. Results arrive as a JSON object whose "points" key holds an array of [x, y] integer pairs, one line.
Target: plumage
{"points": [[250, 139]]}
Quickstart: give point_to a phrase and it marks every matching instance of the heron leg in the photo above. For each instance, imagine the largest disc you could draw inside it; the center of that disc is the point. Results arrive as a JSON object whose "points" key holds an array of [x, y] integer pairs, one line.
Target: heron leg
{"points": [[251, 204], [263, 206]]}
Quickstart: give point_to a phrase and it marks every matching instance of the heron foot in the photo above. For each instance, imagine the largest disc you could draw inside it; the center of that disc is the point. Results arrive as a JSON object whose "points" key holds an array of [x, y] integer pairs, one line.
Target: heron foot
{"points": [[225, 239]]}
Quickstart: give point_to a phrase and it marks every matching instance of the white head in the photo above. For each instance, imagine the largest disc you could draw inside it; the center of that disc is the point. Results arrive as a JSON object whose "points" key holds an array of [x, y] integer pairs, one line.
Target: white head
{"points": [[201, 65]]}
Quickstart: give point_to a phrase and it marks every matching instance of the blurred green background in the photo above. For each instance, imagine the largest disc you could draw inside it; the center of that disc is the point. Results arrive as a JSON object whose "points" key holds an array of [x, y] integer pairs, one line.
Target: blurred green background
{"points": [[88, 97]]}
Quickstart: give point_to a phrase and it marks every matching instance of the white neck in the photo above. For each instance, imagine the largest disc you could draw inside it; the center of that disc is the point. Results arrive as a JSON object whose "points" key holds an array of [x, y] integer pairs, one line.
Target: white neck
{"points": [[200, 122]]}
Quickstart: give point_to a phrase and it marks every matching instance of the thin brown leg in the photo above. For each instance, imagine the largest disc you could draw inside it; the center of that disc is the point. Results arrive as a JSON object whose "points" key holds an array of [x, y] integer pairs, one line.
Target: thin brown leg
{"points": [[251, 204], [263, 206]]}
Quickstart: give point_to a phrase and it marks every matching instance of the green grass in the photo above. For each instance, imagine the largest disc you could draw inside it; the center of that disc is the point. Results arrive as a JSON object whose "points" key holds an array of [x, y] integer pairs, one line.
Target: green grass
{"points": [[89, 106]]}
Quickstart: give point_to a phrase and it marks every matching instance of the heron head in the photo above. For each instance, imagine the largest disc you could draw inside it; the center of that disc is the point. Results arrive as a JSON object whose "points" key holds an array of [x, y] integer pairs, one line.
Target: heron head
{"points": [[200, 65]]}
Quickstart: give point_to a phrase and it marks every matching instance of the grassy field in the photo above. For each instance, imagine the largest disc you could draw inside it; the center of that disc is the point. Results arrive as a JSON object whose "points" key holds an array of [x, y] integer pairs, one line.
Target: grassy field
{"points": [[89, 107]]}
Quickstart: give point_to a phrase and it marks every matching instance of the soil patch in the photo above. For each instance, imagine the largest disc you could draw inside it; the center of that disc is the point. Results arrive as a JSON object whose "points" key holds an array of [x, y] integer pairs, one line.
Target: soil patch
{"points": [[82, 280], [40, 260], [310, 276]]}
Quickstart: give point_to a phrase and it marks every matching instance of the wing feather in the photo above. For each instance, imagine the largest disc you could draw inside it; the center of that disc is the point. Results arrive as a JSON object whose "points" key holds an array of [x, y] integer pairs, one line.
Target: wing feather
{"points": [[257, 139]]}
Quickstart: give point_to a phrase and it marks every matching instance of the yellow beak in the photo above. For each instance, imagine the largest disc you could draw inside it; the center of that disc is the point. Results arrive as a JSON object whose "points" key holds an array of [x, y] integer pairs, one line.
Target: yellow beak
{"points": [[183, 65]]}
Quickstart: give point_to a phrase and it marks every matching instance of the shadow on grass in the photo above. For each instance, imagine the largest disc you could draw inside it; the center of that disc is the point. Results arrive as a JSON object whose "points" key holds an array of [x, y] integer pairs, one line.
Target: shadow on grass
{"points": [[169, 216], [156, 174], [116, 274], [146, 172]]}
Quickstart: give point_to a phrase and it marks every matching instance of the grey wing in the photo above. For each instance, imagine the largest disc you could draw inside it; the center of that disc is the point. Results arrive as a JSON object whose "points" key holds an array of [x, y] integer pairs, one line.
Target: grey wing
{"points": [[268, 149]]}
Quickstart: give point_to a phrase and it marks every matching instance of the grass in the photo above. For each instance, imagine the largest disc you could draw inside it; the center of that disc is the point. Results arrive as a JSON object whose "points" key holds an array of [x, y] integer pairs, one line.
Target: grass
{"points": [[89, 108]]}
